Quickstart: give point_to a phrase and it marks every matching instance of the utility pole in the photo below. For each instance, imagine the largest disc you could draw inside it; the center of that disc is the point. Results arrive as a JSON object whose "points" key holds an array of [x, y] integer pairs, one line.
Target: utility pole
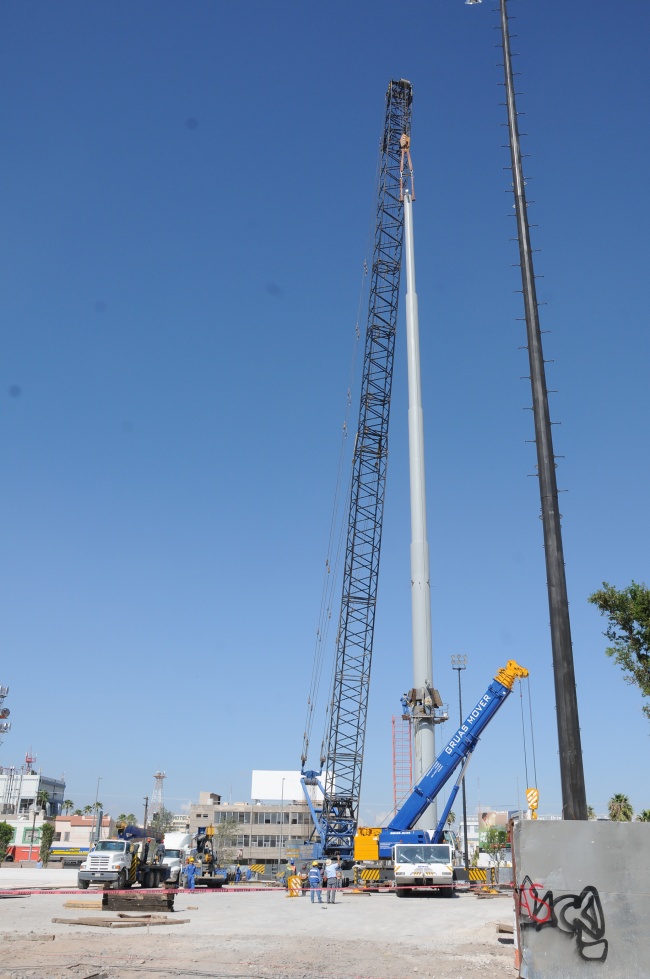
{"points": [[460, 663], [94, 834], [146, 811], [574, 799]]}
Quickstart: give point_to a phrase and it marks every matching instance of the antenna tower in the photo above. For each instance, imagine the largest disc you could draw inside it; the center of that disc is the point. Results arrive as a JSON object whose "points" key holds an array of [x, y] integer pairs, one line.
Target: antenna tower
{"points": [[157, 797], [5, 725]]}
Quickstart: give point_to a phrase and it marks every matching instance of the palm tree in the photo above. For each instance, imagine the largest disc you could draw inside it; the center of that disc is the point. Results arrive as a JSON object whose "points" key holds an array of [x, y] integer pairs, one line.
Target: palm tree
{"points": [[620, 808], [87, 810], [68, 804], [644, 816], [42, 798], [77, 812], [98, 805], [591, 812], [451, 818]]}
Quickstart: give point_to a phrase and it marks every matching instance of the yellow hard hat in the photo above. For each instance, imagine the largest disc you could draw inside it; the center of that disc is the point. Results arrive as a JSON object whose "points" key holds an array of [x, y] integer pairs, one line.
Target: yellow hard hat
{"points": [[190, 860], [315, 863]]}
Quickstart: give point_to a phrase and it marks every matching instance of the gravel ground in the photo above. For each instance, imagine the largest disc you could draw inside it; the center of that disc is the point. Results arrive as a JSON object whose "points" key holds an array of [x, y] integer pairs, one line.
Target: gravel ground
{"points": [[255, 934]]}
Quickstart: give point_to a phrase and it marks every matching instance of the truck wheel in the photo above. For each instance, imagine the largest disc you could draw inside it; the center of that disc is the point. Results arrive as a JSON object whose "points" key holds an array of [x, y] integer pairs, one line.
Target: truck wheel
{"points": [[148, 880], [403, 891], [121, 880], [83, 885]]}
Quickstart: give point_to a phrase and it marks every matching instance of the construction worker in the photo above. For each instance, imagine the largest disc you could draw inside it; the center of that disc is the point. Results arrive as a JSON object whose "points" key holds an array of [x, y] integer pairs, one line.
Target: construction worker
{"points": [[332, 877], [190, 873], [315, 882]]}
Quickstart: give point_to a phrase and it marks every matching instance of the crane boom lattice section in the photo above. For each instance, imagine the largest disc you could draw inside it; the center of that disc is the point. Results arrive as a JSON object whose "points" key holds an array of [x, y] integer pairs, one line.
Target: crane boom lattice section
{"points": [[345, 741]]}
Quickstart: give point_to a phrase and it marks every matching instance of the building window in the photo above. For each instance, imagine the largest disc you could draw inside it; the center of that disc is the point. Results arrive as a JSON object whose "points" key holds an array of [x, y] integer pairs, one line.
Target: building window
{"points": [[66, 837], [271, 818], [32, 835], [56, 838], [243, 840], [266, 842]]}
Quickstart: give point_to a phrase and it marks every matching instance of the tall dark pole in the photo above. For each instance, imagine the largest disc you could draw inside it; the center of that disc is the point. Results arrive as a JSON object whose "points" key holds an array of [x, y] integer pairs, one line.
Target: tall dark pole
{"points": [[574, 800], [460, 663]]}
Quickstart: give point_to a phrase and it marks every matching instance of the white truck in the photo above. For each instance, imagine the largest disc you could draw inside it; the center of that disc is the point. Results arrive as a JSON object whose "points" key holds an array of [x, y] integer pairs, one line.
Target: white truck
{"points": [[178, 846], [424, 865], [123, 863]]}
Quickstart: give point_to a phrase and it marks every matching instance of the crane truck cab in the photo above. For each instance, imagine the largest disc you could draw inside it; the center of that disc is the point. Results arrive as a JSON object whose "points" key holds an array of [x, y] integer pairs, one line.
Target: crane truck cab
{"points": [[423, 865]]}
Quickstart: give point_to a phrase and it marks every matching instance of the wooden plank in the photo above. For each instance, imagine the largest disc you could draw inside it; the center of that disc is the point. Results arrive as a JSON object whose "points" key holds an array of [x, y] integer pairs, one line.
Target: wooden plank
{"points": [[144, 922]]}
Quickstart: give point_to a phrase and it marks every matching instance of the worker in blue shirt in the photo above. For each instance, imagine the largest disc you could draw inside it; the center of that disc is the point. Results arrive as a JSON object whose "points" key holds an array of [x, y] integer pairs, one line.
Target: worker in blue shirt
{"points": [[315, 882], [190, 873], [332, 875]]}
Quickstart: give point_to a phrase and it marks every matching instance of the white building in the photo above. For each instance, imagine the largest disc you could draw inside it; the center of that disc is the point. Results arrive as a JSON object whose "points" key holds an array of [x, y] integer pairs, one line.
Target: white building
{"points": [[23, 788]]}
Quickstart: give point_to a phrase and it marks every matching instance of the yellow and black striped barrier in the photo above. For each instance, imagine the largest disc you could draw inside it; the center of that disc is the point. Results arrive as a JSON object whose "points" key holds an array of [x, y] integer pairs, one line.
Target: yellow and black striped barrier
{"points": [[368, 873], [258, 868]]}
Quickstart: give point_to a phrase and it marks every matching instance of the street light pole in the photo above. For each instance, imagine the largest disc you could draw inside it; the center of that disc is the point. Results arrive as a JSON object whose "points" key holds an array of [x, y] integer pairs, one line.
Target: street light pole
{"points": [[460, 663]]}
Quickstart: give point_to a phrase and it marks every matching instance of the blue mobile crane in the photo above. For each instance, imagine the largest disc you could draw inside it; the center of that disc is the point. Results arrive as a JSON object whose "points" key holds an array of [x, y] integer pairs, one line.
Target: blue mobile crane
{"points": [[377, 846]]}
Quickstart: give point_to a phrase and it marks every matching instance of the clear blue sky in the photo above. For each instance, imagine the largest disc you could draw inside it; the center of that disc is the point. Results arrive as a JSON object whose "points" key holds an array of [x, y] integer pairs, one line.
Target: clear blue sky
{"points": [[186, 191]]}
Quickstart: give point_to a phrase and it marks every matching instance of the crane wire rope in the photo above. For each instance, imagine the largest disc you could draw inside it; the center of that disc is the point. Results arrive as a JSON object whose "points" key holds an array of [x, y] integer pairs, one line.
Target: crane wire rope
{"points": [[336, 538], [523, 731]]}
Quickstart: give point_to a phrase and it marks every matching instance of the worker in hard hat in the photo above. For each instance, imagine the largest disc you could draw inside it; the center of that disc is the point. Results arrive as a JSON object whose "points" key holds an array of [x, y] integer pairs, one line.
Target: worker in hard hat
{"points": [[190, 873], [315, 882]]}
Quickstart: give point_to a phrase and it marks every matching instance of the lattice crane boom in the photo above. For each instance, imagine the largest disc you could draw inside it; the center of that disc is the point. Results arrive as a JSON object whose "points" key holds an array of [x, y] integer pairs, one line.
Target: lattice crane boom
{"points": [[343, 757]]}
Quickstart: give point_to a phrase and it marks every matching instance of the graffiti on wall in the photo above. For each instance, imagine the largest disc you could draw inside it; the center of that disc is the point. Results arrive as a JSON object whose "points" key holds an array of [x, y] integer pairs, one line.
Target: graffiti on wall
{"points": [[578, 915]]}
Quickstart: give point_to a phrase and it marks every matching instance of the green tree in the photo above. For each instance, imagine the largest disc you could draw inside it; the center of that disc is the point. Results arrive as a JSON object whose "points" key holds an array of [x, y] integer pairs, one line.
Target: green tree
{"points": [[128, 818], [224, 842], [68, 805], [495, 838], [451, 818], [6, 836], [42, 798], [591, 812], [162, 821], [644, 816], [77, 812], [47, 835], [620, 808], [87, 810], [628, 611]]}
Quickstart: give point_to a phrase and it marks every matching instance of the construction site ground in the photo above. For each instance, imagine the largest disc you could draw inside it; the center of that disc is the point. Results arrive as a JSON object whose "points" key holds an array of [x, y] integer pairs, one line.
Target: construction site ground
{"points": [[243, 934]]}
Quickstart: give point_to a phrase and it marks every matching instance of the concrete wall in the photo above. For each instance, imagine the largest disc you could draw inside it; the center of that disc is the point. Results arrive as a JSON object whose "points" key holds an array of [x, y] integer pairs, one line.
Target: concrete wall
{"points": [[583, 899]]}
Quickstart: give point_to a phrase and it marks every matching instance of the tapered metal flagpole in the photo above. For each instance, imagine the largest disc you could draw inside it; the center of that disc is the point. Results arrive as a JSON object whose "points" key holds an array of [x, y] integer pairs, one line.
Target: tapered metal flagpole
{"points": [[423, 720], [574, 801]]}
